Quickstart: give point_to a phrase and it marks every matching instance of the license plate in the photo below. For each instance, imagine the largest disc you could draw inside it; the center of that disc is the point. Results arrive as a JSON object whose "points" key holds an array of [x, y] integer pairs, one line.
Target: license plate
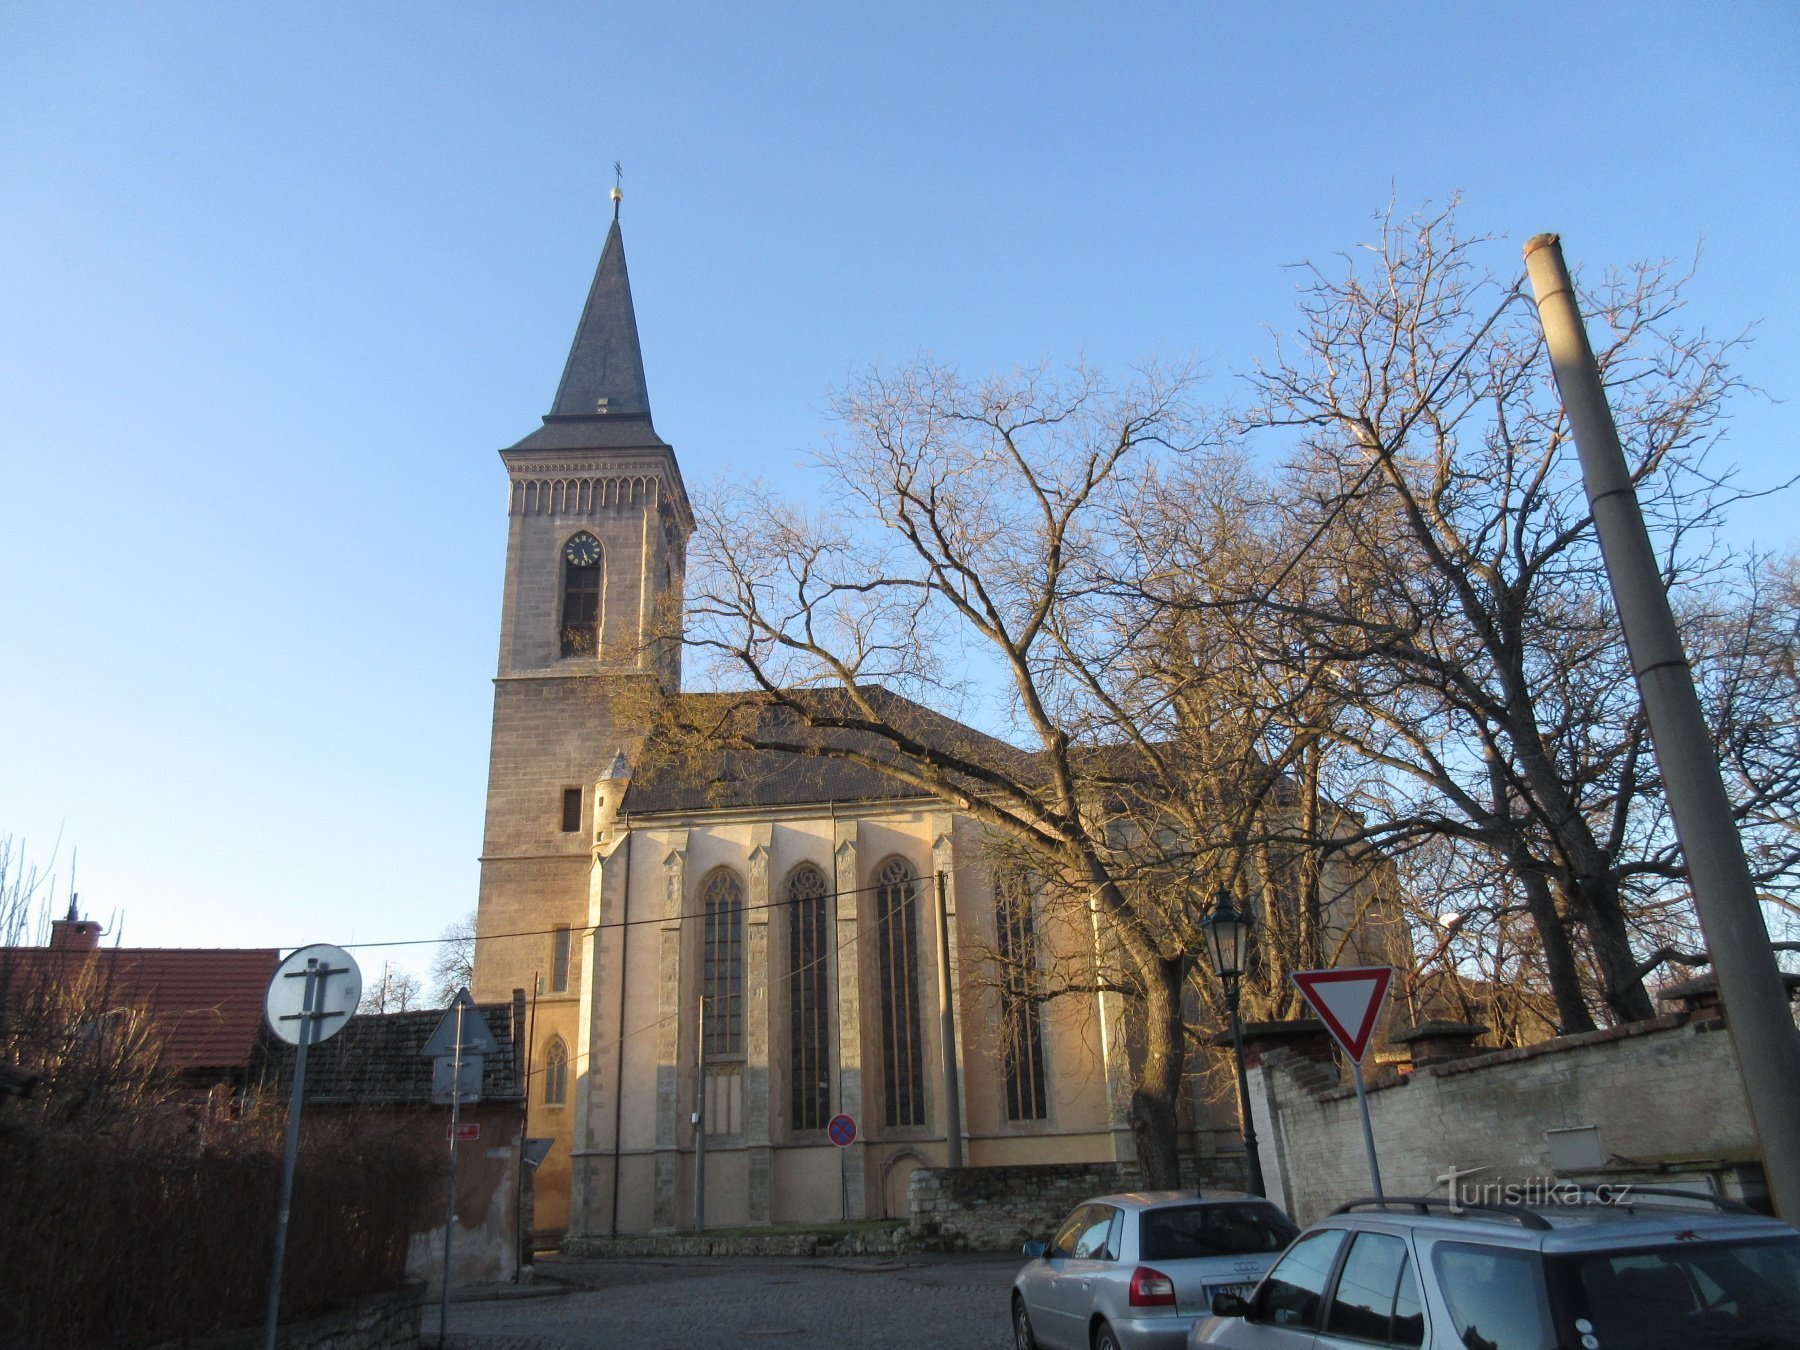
{"points": [[1241, 1290]]}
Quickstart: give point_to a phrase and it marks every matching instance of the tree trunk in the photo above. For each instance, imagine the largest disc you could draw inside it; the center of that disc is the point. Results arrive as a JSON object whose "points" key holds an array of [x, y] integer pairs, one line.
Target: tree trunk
{"points": [[1596, 900], [1559, 958], [1153, 1097]]}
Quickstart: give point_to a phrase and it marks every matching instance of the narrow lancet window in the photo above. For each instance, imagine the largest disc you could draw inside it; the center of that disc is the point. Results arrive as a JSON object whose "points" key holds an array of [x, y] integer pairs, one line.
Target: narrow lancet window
{"points": [[809, 1014], [1021, 1015], [722, 989], [556, 1073], [902, 1046]]}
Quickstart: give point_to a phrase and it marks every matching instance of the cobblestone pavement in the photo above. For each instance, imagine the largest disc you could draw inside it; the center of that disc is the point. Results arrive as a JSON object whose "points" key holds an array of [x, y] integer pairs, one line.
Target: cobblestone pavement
{"points": [[871, 1303]]}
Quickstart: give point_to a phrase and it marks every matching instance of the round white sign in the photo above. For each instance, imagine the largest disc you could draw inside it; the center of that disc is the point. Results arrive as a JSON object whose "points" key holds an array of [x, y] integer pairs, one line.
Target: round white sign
{"points": [[339, 988]]}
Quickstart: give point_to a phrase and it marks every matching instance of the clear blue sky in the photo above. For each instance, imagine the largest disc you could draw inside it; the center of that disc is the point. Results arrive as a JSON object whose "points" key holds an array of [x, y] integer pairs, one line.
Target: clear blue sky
{"points": [[276, 282]]}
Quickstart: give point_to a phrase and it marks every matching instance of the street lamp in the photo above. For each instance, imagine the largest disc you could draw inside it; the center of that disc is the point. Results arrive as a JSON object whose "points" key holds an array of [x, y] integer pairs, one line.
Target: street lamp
{"points": [[1227, 938]]}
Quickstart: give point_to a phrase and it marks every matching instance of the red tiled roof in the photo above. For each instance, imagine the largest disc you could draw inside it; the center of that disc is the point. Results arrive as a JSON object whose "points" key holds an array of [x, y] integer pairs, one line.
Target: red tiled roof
{"points": [[207, 1005]]}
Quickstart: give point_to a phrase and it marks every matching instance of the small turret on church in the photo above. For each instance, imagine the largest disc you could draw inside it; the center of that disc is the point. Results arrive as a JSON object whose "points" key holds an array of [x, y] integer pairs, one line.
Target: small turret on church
{"points": [[597, 528]]}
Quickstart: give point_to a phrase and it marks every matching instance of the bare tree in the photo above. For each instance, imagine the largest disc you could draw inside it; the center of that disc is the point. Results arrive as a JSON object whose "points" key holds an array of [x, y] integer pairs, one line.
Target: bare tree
{"points": [[453, 964], [396, 991], [968, 559], [1464, 610]]}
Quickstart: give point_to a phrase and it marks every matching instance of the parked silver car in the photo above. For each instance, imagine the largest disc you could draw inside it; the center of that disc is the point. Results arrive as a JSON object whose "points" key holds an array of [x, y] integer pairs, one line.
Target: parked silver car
{"points": [[1659, 1271], [1132, 1272]]}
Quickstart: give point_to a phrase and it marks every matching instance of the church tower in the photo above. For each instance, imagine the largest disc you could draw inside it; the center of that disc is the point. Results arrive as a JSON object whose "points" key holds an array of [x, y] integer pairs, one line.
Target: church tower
{"points": [[597, 529]]}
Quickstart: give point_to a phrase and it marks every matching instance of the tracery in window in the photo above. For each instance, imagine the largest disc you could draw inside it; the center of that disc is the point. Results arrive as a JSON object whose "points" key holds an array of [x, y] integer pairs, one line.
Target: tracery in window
{"points": [[556, 1073], [722, 988], [1021, 1015], [722, 964], [902, 1046], [581, 578], [809, 1015]]}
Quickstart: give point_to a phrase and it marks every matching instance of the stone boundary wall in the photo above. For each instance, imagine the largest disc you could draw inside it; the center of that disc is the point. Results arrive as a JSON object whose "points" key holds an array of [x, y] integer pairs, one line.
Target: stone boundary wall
{"points": [[375, 1322], [999, 1209], [1664, 1094], [886, 1240]]}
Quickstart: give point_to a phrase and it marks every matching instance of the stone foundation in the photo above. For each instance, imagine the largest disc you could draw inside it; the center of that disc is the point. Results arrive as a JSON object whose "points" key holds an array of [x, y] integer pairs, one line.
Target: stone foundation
{"points": [[885, 1240], [999, 1209]]}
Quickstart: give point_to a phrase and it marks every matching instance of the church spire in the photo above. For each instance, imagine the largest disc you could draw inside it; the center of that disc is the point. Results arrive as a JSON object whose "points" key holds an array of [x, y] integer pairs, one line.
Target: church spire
{"points": [[605, 373]]}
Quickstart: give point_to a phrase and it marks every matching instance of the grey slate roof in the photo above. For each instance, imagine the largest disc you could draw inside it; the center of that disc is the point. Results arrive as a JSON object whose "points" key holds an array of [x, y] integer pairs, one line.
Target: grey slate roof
{"points": [[605, 362], [603, 402], [724, 779], [375, 1060]]}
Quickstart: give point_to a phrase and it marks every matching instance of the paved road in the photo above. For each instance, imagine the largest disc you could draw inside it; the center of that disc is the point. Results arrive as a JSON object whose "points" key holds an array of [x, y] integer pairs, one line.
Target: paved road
{"points": [[873, 1303]]}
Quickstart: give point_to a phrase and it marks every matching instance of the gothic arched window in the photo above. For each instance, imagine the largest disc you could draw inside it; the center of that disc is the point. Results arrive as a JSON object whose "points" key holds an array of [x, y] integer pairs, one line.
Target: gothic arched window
{"points": [[902, 1047], [722, 965], [581, 578], [556, 1073], [1021, 1016], [809, 1013], [722, 989]]}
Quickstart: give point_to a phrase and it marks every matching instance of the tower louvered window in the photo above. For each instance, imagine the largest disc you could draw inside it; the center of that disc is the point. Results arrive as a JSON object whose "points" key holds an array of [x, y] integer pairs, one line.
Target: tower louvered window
{"points": [[809, 1013], [1021, 1020], [581, 578], [902, 1046]]}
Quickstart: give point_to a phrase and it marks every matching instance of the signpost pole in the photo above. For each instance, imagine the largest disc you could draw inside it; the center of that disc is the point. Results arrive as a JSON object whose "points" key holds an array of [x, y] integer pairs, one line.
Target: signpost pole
{"points": [[456, 1062], [842, 1132], [1348, 1001], [1362, 1102], [309, 1002]]}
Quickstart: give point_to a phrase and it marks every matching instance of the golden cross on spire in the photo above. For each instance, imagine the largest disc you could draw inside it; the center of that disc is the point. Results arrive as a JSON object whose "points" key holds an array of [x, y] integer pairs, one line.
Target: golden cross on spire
{"points": [[618, 193]]}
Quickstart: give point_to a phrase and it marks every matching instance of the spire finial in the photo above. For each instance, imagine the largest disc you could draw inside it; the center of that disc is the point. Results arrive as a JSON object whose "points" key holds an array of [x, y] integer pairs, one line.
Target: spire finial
{"points": [[618, 194]]}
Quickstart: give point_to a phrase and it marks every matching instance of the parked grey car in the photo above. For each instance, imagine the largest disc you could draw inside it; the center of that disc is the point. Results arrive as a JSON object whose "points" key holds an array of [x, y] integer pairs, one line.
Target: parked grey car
{"points": [[1132, 1272], [1655, 1271]]}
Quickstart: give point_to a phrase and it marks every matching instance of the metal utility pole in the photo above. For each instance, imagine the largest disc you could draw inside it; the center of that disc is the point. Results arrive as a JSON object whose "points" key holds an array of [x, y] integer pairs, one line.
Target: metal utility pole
{"points": [[1750, 984], [953, 1149], [450, 1206], [700, 1117]]}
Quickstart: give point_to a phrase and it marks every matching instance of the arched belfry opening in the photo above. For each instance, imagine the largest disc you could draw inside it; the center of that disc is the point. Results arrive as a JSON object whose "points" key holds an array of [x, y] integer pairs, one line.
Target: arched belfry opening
{"points": [[583, 577]]}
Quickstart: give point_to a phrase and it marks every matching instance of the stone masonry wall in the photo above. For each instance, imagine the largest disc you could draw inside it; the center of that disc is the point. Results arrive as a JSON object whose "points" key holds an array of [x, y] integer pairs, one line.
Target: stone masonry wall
{"points": [[999, 1209], [377, 1322], [1664, 1094]]}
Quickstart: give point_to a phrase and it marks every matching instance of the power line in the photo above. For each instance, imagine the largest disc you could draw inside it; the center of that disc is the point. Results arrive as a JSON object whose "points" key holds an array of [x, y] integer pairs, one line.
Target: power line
{"points": [[587, 927]]}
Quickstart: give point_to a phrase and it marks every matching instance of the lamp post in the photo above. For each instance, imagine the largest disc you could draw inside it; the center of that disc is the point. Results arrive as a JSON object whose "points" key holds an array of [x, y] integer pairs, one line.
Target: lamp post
{"points": [[1227, 939]]}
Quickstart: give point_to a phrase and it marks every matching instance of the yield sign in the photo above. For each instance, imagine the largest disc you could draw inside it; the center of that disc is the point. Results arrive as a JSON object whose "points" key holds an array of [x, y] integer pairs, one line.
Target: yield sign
{"points": [[1347, 1001]]}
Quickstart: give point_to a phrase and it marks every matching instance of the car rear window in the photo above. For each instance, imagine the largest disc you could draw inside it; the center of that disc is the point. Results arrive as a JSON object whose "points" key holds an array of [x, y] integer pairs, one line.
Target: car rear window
{"points": [[1496, 1296], [1233, 1228], [1689, 1294]]}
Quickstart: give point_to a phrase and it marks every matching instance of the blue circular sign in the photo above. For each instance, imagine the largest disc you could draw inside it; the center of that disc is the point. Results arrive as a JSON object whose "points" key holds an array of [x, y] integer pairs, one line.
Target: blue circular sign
{"points": [[842, 1131]]}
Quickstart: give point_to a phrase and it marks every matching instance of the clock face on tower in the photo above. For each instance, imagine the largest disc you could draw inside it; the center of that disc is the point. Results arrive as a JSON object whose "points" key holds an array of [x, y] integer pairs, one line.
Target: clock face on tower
{"points": [[583, 550]]}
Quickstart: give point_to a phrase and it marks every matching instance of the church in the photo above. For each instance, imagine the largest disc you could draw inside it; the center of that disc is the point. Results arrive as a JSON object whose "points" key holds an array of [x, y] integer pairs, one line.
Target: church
{"points": [[755, 996]]}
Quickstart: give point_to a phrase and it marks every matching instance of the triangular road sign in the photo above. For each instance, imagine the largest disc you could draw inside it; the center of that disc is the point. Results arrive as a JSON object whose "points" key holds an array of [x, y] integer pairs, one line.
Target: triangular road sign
{"points": [[1347, 1001], [476, 1038]]}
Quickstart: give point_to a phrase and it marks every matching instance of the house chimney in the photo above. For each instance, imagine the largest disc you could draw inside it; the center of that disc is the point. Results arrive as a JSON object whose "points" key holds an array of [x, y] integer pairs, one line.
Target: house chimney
{"points": [[74, 933]]}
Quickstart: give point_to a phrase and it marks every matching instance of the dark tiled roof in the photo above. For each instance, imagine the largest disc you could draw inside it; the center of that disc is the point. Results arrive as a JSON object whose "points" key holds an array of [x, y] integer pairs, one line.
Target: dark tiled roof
{"points": [[375, 1060], [593, 433], [672, 780], [206, 1005]]}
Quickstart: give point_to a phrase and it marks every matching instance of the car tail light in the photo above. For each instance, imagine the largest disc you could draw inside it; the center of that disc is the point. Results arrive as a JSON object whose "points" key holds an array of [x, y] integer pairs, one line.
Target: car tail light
{"points": [[1151, 1289]]}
